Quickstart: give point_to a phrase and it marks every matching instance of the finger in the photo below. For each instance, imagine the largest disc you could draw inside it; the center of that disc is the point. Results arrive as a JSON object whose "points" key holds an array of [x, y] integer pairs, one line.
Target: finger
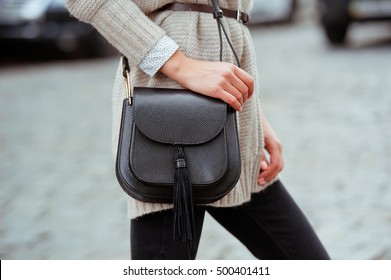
{"points": [[261, 182], [247, 79], [276, 159], [230, 100], [235, 92], [241, 87], [273, 170], [268, 174], [264, 165], [275, 166]]}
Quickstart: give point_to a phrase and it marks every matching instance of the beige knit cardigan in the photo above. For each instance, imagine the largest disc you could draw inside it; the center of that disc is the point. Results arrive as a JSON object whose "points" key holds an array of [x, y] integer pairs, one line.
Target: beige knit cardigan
{"points": [[134, 27]]}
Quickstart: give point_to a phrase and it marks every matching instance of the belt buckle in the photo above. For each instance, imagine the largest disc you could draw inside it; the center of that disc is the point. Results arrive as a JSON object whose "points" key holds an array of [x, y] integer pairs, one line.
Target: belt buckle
{"points": [[242, 17], [239, 15]]}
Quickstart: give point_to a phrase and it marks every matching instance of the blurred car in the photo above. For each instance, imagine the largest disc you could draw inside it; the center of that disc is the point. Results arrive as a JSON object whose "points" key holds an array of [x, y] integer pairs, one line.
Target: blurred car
{"points": [[47, 21], [272, 11], [337, 15]]}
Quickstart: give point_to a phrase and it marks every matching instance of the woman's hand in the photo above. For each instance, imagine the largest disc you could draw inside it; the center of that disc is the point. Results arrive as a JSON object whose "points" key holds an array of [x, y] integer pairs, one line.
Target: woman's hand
{"points": [[274, 147], [215, 79]]}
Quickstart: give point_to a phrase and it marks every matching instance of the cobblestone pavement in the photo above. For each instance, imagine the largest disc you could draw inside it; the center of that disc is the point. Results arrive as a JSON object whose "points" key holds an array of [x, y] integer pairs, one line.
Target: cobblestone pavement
{"points": [[331, 108]]}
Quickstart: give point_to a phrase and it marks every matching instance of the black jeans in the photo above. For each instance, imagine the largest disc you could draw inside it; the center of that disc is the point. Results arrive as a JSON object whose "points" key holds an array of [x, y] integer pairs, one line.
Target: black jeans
{"points": [[270, 225]]}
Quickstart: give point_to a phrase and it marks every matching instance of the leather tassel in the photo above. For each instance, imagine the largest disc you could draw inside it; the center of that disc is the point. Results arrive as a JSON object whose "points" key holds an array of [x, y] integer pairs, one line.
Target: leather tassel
{"points": [[183, 201]]}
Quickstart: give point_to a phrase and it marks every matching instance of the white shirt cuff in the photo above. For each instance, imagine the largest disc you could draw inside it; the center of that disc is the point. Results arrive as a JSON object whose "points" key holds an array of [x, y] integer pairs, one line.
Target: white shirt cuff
{"points": [[158, 55]]}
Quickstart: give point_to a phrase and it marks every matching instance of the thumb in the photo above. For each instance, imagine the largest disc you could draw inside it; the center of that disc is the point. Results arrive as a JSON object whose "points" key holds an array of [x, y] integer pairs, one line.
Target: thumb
{"points": [[264, 164]]}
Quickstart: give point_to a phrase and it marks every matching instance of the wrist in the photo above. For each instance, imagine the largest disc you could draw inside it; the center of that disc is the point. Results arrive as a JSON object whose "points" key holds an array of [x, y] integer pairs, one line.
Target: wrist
{"points": [[174, 67]]}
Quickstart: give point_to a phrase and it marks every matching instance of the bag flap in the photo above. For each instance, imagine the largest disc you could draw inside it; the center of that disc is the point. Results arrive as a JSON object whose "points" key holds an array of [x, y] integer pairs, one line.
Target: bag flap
{"points": [[153, 163], [178, 116]]}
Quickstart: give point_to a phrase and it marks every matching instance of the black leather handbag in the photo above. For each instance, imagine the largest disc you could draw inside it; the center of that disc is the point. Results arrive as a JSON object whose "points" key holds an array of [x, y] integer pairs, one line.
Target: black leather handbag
{"points": [[176, 146], [166, 130]]}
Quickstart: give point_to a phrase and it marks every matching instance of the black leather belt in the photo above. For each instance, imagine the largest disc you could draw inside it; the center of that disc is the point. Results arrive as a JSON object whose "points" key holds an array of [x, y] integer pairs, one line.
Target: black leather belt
{"points": [[236, 14]]}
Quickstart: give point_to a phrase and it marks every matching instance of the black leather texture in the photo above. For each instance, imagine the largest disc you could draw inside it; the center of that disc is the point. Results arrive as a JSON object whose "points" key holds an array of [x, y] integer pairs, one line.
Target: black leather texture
{"points": [[158, 121]]}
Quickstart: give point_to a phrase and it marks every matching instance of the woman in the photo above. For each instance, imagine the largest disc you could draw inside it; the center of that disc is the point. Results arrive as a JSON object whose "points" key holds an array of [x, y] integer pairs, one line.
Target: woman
{"points": [[177, 46]]}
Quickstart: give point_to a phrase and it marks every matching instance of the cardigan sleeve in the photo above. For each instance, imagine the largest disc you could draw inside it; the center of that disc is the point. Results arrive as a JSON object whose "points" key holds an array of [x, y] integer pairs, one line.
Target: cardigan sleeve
{"points": [[122, 23], [158, 55]]}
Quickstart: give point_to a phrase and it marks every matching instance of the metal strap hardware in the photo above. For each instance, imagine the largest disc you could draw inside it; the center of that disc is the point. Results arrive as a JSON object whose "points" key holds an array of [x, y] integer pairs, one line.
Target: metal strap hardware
{"points": [[126, 75]]}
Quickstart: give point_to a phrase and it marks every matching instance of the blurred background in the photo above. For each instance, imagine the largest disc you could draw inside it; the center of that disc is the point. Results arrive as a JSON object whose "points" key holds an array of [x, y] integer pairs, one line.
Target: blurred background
{"points": [[325, 82]]}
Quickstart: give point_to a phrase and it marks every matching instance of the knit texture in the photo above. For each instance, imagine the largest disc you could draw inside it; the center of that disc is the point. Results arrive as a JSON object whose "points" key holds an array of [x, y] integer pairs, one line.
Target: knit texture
{"points": [[133, 27]]}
